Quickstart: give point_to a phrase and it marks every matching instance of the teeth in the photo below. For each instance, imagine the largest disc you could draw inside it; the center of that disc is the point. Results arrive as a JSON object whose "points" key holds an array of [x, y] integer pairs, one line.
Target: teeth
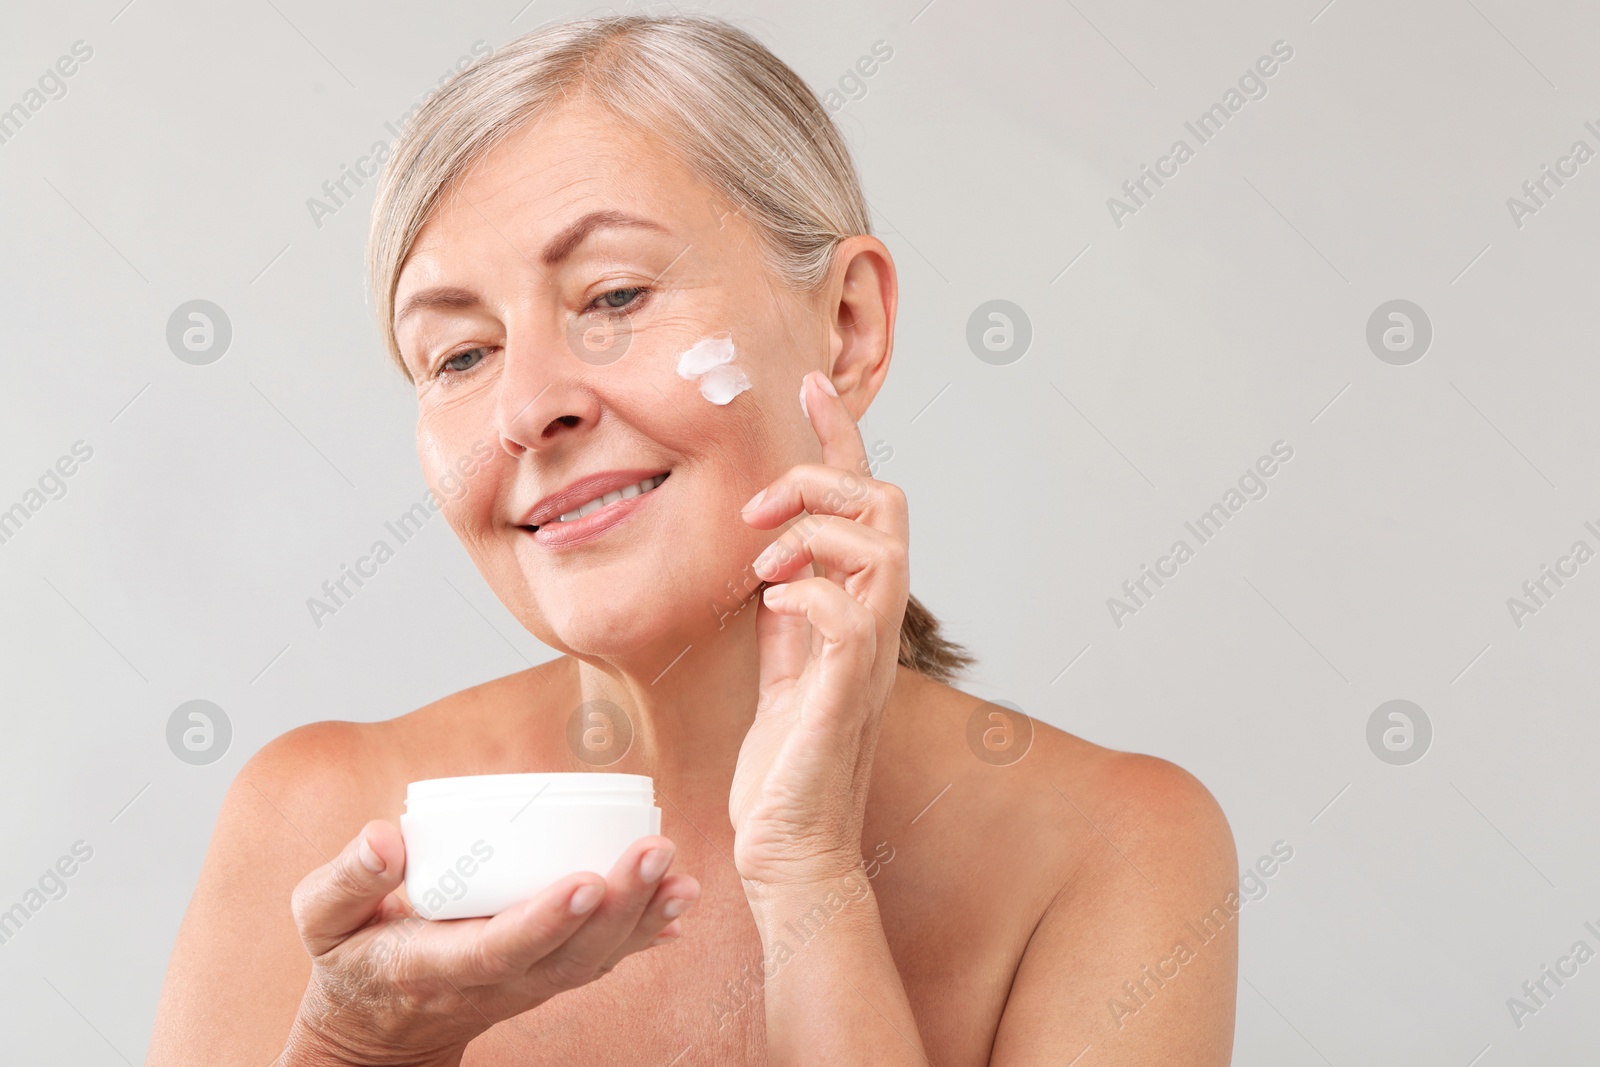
{"points": [[612, 497]]}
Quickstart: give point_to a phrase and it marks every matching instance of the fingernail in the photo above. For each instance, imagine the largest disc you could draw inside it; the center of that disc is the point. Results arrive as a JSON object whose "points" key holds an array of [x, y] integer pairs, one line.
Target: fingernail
{"points": [[654, 864], [827, 384], [803, 410], [676, 907], [765, 564], [773, 593], [369, 857], [586, 898], [754, 502], [669, 933]]}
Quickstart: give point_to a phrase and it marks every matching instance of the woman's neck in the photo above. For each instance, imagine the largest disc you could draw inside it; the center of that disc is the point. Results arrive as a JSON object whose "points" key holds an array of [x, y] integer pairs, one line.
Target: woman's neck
{"points": [[681, 707]]}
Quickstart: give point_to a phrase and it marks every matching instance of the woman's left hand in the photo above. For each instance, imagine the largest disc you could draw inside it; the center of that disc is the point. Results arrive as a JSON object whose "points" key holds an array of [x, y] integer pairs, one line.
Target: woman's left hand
{"points": [[829, 646]]}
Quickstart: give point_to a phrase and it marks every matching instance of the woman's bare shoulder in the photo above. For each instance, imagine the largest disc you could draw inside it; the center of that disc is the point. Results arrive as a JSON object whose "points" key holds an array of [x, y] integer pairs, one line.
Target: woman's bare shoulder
{"points": [[1070, 792], [1148, 801], [330, 774], [297, 801], [1107, 858]]}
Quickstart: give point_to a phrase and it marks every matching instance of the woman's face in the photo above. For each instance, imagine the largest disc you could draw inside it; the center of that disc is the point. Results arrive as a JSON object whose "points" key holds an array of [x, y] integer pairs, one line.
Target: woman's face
{"points": [[543, 312]]}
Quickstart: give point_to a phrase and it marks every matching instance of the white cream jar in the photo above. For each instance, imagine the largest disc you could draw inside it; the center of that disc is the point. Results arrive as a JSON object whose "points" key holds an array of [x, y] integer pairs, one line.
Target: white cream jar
{"points": [[477, 844]]}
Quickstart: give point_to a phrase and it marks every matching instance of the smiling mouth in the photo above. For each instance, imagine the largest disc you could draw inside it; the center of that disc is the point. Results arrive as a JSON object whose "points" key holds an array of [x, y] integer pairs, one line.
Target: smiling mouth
{"points": [[625, 493]]}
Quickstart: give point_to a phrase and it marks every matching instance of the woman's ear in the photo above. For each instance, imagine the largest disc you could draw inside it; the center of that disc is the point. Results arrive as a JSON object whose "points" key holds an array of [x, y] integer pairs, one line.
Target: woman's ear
{"points": [[862, 296]]}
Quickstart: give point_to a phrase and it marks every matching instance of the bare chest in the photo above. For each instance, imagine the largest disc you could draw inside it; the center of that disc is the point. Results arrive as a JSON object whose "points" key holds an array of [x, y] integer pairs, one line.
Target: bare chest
{"points": [[701, 1001], [698, 1001]]}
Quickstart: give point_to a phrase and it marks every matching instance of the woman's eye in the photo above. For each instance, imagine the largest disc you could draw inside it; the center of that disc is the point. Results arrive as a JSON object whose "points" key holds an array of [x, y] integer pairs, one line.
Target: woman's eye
{"points": [[618, 298], [463, 361]]}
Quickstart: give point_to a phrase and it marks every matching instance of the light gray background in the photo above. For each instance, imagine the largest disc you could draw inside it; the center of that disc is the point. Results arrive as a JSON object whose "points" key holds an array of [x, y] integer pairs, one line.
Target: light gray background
{"points": [[1167, 355]]}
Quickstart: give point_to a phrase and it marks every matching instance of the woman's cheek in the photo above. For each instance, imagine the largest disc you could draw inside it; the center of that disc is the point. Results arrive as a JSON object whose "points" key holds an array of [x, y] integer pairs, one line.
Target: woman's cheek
{"points": [[460, 472], [474, 517]]}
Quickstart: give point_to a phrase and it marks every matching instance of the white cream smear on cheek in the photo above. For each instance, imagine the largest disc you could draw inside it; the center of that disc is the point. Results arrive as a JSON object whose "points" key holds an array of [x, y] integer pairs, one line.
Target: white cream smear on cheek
{"points": [[709, 362]]}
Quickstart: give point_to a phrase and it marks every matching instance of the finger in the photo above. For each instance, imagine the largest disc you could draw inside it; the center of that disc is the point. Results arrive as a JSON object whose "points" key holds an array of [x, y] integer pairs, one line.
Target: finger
{"points": [[785, 644], [670, 933], [344, 894], [630, 886], [825, 708], [674, 898], [847, 627], [836, 428], [824, 490], [872, 565], [513, 942]]}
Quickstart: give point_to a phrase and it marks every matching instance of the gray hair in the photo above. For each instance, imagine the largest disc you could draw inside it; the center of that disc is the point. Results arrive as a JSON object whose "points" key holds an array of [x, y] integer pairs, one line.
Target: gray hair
{"points": [[735, 113]]}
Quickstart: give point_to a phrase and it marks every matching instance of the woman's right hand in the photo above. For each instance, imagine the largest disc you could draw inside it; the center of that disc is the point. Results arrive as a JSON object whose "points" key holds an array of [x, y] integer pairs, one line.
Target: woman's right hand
{"points": [[390, 988]]}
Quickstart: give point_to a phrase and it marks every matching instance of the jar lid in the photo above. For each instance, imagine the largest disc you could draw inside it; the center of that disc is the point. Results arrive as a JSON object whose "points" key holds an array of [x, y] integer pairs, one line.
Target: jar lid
{"points": [[560, 787]]}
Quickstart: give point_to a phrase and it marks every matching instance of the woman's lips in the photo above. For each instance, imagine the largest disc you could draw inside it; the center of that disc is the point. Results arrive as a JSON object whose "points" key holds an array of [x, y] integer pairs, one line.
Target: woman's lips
{"points": [[578, 531]]}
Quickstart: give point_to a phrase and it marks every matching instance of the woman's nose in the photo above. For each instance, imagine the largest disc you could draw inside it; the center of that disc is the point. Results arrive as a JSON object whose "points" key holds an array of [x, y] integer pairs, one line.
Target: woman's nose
{"points": [[541, 398]]}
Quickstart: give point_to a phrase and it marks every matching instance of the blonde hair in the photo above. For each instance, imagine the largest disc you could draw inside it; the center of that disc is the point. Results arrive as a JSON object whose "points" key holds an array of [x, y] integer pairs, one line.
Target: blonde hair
{"points": [[737, 116]]}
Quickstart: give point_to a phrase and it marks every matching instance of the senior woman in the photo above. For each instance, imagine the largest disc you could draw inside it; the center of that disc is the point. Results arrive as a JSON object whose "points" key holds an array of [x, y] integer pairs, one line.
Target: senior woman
{"points": [[627, 264]]}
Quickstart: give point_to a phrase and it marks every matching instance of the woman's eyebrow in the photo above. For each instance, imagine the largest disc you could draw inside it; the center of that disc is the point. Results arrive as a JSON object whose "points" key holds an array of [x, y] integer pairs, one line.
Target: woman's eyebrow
{"points": [[562, 245], [570, 238], [443, 297]]}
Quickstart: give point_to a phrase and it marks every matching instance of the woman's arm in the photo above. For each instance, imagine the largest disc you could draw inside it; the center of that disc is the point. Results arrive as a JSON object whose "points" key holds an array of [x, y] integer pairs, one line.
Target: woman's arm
{"points": [[833, 994], [1135, 961], [237, 970], [829, 645], [328, 969]]}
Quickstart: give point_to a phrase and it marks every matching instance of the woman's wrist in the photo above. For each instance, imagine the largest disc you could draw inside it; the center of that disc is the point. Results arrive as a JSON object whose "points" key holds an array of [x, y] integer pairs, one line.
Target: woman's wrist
{"points": [[795, 909], [310, 1045], [796, 868]]}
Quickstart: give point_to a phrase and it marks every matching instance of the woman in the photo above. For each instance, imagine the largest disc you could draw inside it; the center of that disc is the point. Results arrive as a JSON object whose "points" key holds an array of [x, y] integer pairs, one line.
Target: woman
{"points": [[607, 256]]}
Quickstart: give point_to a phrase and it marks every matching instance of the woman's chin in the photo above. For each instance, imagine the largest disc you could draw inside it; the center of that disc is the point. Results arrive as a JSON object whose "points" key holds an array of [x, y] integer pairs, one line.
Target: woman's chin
{"points": [[634, 607], [629, 632]]}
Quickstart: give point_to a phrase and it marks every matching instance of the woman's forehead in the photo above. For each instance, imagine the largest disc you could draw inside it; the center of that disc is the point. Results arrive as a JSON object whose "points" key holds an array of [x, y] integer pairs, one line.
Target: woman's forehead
{"points": [[531, 194], [559, 164]]}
